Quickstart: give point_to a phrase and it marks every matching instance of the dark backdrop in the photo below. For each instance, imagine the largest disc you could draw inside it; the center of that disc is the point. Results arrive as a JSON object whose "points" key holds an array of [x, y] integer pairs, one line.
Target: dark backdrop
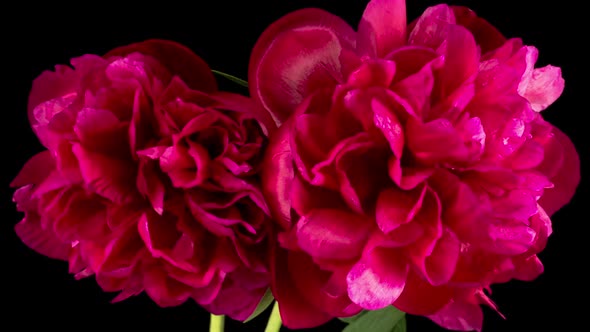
{"points": [[36, 290]]}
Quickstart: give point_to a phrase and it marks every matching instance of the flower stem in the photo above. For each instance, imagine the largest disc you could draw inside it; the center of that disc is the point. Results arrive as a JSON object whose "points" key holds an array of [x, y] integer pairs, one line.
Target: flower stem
{"points": [[217, 323], [274, 321]]}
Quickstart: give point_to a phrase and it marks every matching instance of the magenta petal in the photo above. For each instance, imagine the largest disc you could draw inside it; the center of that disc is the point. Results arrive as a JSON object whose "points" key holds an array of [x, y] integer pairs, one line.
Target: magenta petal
{"points": [[43, 241], [178, 59], [431, 28], [529, 269], [461, 59], [296, 311], [421, 298], [311, 282], [567, 178], [378, 279], [382, 28], [396, 207], [332, 234], [440, 265], [111, 178], [390, 126], [35, 170], [435, 141], [459, 316], [50, 85], [486, 35], [296, 55]]}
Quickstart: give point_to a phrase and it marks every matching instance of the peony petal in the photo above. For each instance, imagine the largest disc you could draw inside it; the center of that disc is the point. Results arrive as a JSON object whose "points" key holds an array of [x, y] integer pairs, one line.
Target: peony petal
{"points": [[35, 170], [296, 311], [440, 265], [545, 85], [390, 126], [178, 59], [310, 281], [421, 298], [382, 28], [101, 131], [43, 241], [529, 269], [461, 60], [396, 207], [164, 291], [378, 279], [567, 178], [111, 178], [459, 316], [435, 141], [332, 234], [431, 29], [299, 53], [51, 85], [486, 35]]}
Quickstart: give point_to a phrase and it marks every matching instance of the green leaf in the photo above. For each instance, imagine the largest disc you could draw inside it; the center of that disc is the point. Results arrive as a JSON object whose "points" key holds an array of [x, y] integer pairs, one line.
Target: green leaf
{"points": [[262, 305], [400, 326], [384, 320], [231, 78], [352, 319]]}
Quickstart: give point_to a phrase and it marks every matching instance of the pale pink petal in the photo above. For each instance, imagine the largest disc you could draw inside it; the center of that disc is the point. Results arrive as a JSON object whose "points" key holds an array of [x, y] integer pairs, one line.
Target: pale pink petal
{"points": [[544, 87]]}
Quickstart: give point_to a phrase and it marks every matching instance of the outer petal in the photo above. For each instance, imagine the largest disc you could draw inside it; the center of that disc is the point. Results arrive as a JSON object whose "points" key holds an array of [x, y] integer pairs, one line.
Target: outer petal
{"points": [[297, 54], [277, 175], [178, 59], [296, 311], [382, 28], [35, 170], [459, 316], [544, 86], [567, 178], [52, 84], [486, 35], [431, 28]]}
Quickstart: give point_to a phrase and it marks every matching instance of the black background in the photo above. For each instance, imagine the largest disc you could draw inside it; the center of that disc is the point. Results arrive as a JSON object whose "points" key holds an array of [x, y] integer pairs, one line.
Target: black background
{"points": [[37, 292]]}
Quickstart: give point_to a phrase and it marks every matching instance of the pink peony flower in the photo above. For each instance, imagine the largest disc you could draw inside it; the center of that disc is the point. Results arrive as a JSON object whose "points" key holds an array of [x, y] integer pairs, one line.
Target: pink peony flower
{"points": [[150, 179], [412, 167]]}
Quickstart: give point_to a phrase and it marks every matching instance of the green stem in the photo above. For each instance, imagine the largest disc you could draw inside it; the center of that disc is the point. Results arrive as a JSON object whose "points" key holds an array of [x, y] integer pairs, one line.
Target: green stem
{"points": [[217, 323], [232, 78], [274, 321]]}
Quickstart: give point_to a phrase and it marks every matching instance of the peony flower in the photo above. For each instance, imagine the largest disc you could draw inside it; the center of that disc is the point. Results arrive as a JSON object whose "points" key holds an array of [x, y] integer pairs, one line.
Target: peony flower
{"points": [[150, 179], [412, 167]]}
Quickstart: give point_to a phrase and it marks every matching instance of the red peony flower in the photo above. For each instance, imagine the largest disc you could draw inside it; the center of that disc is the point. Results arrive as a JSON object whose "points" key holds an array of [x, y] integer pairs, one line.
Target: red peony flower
{"points": [[412, 167], [150, 179]]}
